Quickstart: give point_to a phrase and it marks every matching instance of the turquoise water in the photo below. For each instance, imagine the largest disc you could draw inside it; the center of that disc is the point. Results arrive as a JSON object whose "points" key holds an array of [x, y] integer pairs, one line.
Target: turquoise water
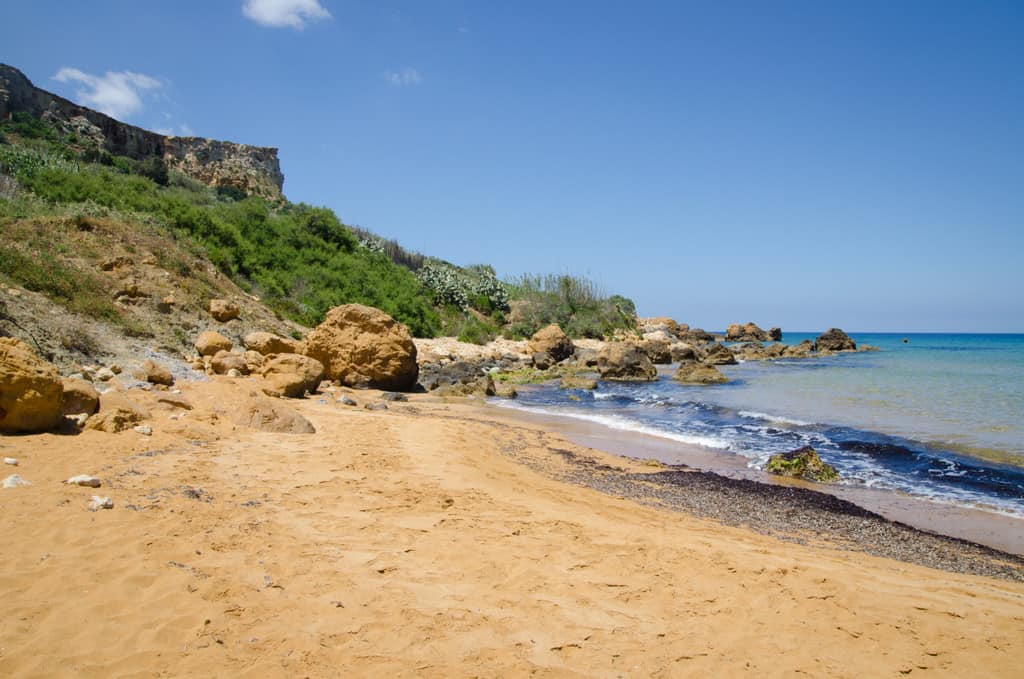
{"points": [[939, 416]]}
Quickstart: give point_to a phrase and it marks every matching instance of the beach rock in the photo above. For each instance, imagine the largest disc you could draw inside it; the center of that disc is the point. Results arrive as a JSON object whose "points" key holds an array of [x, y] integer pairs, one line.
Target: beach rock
{"points": [[104, 375], [222, 310], [394, 397], [802, 463], [254, 360], [834, 339], [658, 350], [658, 324], [699, 373], [174, 401], [84, 480], [346, 401], [585, 358], [802, 350], [717, 354], [154, 373], [553, 342], [542, 361], [483, 385], [681, 351], [31, 391], [209, 343], [266, 343], [577, 382], [166, 304], [748, 332], [13, 481], [78, 396], [775, 334], [98, 502], [505, 390], [265, 414], [376, 406], [360, 346], [224, 362], [11, 461], [291, 375], [143, 429], [695, 336], [625, 361]]}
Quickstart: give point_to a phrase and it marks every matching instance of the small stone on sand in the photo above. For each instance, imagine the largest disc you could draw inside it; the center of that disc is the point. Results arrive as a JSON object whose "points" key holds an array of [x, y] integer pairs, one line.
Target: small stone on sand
{"points": [[13, 481], [11, 461], [84, 480], [144, 429], [100, 502]]}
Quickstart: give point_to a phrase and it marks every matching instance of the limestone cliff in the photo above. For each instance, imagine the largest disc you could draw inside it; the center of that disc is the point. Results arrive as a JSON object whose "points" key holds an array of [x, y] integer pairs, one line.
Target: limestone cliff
{"points": [[253, 169]]}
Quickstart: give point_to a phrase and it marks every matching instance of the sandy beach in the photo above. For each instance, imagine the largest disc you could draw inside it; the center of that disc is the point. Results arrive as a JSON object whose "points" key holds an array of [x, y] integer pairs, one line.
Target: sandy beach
{"points": [[436, 539]]}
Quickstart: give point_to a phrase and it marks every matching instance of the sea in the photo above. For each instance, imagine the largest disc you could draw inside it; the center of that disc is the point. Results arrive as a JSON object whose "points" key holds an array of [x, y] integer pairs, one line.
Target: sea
{"points": [[938, 417]]}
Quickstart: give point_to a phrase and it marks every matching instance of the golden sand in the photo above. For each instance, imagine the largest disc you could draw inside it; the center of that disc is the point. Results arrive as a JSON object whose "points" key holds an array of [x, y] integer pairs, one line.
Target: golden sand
{"points": [[405, 543]]}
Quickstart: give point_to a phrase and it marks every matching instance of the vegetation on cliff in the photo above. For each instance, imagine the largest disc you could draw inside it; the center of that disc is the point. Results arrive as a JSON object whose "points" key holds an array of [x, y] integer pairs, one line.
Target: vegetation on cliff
{"points": [[299, 259]]}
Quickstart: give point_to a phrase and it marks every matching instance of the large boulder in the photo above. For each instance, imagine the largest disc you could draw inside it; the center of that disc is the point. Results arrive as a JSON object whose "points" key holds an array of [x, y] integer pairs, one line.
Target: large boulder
{"points": [[360, 346], [154, 373], [775, 334], [748, 332], [716, 354], [79, 396], [802, 463], [699, 373], [291, 375], [802, 350], [658, 350], [551, 340], [31, 392], [695, 336], [834, 339], [117, 413], [681, 351], [222, 310], [224, 362], [267, 343], [625, 361], [209, 343]]}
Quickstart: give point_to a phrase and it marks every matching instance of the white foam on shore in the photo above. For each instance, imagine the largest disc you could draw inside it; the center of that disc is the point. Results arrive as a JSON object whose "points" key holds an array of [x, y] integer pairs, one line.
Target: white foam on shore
{"points": [[624, 424], [753, 414]]}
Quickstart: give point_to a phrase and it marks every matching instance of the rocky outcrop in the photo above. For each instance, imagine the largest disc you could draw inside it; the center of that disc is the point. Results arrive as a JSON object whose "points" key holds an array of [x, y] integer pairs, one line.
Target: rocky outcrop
{"points": [[577, 382], [748, 332], [802, 463], [658, 323], [625, 361], [834, 339], [251, 169], [695, 336], [658, 350], [552, 342], [360, 346], [266, 414], [775, 334], [30, 390], [117, 413], [716, 354], [223, 362], [291, 375], [699, 373]]}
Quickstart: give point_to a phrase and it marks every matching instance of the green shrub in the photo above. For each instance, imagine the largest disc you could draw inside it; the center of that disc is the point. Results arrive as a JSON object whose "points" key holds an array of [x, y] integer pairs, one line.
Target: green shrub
{"points": [[577, 304]]}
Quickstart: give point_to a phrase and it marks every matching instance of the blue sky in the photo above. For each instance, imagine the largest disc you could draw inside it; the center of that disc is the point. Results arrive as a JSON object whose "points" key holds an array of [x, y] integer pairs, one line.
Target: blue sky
{"points": [[801, 164]]}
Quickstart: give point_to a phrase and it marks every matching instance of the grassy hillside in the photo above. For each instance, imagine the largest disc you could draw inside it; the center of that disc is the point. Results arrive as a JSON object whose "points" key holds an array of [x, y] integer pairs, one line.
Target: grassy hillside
{"points": [[299, 259]]}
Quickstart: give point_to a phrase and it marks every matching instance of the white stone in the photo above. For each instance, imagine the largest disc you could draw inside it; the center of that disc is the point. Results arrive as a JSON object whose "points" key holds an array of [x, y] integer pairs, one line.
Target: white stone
{"points": [[100, 502], [13, 481], [11, 461], [144, 429], [84, 480]]}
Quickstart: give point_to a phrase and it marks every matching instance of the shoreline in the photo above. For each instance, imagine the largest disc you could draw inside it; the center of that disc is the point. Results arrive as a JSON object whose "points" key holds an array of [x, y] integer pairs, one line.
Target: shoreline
{"points": [[988, 528], [447, 538]]}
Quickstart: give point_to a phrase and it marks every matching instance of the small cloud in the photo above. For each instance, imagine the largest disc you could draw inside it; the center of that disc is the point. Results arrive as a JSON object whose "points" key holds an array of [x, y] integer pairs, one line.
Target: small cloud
{"points": [[284, 13], [404, 78], [116, 93]]}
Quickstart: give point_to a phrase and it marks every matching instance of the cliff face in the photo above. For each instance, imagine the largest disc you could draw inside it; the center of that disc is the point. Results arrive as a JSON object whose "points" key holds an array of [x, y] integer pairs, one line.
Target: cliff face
{"points": [[253, 169]]}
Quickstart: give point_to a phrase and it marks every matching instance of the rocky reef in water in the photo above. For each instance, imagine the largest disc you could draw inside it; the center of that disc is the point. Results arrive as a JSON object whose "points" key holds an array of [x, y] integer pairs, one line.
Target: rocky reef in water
{"points": [[255, 170]]}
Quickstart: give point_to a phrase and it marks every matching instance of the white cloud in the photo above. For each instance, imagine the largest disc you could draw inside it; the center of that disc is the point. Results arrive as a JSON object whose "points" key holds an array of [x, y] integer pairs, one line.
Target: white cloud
{"points": [[116, 93], [284, 13], [404, 78]]}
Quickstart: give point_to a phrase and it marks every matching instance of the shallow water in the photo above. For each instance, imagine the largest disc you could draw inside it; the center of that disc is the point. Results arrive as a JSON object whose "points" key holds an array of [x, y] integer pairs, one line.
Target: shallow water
{"points": [[938, 417]]}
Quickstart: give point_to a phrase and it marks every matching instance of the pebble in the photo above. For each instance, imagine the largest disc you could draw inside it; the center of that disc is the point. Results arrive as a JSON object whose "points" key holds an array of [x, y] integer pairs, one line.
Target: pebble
{"points": [[346, 401], [376, 406], [84, 480], [13, 481], [100, 502], [11, 461], [394, 396], [144, 429]]}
